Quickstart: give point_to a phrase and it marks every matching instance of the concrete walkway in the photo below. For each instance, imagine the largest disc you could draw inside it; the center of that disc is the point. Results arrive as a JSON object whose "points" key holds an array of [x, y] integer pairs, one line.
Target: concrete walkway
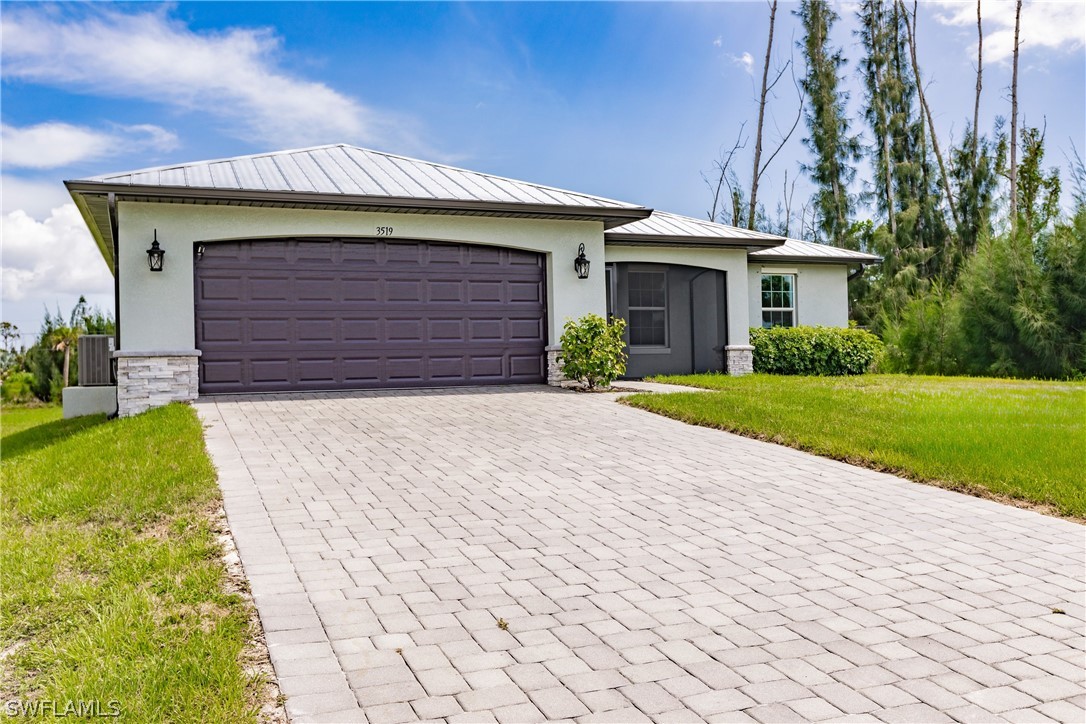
{"points": [[523, 554]]}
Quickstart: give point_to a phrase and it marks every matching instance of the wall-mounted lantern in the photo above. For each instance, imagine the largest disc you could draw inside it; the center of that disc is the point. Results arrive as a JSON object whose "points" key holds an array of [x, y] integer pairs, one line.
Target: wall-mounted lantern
{"points": [[581, 264], [155, 255]]}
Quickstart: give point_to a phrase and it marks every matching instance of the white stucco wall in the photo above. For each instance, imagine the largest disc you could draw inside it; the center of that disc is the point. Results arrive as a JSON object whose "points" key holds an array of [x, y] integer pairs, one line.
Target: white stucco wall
{"points": [[731, 261], [157, 309], [821, 293]]}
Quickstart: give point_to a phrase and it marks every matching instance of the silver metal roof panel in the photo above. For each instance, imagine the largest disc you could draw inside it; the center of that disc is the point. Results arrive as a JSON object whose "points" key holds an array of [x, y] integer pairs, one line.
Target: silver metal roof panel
{"points": [[796, 250], [665, 227]]}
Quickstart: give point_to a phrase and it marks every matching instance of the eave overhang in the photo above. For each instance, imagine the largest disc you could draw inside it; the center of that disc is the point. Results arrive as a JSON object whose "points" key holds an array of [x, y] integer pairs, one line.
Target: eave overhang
{"points": [[90, 197]]}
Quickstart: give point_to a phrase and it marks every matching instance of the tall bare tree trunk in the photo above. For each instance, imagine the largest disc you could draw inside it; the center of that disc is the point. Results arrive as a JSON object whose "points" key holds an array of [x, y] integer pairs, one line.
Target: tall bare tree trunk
{"points": [[1014, 122], [761, 119], [931, 121], [67, 362], [976, 101]]}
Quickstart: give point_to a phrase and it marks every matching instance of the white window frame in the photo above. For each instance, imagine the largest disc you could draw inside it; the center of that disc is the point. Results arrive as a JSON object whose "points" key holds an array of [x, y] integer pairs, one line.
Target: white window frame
{"points": [[666, 346], [792, 308]]}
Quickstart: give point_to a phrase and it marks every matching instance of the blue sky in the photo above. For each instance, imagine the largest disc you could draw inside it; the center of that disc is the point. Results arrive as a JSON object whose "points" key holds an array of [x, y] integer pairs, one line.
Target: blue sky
{"points": [[628, 100]]}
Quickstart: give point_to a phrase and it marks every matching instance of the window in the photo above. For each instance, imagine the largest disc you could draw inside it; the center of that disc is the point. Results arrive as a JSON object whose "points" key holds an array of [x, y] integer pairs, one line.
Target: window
{"points": [[778, 300], [648, 308]]}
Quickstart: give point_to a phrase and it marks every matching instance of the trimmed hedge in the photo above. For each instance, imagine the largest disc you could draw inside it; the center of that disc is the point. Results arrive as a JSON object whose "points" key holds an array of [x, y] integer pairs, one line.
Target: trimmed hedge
{"points": [[814, 350]]}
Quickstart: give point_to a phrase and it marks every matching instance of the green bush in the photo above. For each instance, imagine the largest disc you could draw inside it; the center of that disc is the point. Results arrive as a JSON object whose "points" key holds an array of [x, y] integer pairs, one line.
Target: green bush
{"points": [[814, 350], [593, 351], [18, 387]]}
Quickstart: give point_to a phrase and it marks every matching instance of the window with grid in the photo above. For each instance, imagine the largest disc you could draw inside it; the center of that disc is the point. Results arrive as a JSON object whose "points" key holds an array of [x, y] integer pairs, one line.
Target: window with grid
{"points": [[778, 300], [648, 308]]}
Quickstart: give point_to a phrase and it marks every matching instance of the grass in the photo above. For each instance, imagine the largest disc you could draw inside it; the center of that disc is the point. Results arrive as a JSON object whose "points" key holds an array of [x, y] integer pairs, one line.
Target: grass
{"points": [[113, 584], [1023, 440]]}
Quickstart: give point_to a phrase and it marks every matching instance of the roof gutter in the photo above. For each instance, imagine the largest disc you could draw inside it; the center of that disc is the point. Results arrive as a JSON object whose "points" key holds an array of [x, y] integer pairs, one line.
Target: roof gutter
{"points": [[813, 260], [611, 216]]}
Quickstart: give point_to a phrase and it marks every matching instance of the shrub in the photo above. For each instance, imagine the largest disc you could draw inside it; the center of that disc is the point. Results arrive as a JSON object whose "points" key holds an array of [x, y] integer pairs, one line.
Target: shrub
{"points": [[593, 351], [18, 387], [814, 350]]}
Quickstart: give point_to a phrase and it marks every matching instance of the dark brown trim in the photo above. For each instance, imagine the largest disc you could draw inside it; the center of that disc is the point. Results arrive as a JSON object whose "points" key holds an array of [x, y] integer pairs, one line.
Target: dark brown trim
{"points": [[610, 216], [697, 242], [810, 260]]}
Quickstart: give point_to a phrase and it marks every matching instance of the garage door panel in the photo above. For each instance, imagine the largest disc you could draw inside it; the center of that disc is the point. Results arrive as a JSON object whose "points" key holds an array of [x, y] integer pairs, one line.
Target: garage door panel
{"points": [[403, 290], [223, 371], [526, 330], [361, 330], [225, 289], [221, 330], [446, 330], [317, 330], [269, 370], [404, 369], [403, 330], [488, 291], [445, 291], [447, 368], [362, 371], [264, 289], [525, 292], [269, 330], [317, 370], [525, 366], [487, 367], [334, 314]]}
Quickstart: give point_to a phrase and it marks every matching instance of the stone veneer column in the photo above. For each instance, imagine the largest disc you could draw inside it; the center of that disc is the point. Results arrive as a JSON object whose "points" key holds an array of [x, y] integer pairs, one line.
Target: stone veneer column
{"points": [[555, 377], [739, 359], [155, 378]]}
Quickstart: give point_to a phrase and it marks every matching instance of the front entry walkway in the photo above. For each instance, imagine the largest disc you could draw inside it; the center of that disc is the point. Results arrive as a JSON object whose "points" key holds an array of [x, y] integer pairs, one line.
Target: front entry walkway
{"points": [[523, 554]]}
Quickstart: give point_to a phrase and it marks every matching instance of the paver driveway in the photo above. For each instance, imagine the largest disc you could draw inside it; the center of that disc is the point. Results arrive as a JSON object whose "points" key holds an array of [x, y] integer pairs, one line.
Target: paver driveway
{"points": [[647, 570]]}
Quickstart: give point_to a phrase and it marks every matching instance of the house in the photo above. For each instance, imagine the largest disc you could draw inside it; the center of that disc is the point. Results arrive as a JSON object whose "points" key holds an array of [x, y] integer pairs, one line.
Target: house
{"points": [[338, 267]]}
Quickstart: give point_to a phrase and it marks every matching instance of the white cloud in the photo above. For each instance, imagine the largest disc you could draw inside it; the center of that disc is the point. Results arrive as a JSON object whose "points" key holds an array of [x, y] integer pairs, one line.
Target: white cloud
{"points": [[719, 41], [37, 197], [231, 75], [53, 144], [744, 61], [1054, 26], [44, 259]]}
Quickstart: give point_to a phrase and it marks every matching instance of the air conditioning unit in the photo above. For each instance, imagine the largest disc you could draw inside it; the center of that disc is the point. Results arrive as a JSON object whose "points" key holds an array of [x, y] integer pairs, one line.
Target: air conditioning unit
{"points": [[96, 360]]}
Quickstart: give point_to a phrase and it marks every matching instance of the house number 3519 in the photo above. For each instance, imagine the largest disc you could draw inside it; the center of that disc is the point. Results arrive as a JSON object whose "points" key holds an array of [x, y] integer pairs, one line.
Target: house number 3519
{"points": [[384, 231]]}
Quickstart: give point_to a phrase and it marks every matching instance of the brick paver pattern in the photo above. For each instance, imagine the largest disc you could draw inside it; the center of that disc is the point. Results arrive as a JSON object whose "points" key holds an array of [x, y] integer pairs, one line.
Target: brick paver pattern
{"points": [[645, 570]]}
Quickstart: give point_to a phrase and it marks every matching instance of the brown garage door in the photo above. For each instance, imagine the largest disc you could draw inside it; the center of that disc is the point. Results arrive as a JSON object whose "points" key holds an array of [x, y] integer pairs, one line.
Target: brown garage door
{"points": [[320, 314]]}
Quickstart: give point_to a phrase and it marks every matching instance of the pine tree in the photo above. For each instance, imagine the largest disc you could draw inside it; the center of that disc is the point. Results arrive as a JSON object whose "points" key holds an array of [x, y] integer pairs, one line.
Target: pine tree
{"points": [[835, 150]]}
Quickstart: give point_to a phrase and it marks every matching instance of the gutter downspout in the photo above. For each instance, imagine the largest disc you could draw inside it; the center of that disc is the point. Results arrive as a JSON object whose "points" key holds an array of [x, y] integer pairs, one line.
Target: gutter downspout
{"points": [[856, 274], [111, 203]]}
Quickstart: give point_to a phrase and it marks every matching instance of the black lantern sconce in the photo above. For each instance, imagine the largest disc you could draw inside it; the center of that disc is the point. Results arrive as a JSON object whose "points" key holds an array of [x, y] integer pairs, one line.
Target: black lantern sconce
{"points": [[581, 264], [155, 255]]}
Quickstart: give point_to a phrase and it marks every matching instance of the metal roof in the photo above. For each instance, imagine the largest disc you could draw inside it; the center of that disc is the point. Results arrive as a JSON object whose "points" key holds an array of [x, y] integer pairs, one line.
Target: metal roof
{"points": [[341, 169], [666, 228], [796, 250], [340, 177]]}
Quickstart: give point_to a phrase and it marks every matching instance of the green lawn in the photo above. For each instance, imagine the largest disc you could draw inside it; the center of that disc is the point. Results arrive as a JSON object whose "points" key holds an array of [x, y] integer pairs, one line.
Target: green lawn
{"points": [[113, 588], [1021, 439]]}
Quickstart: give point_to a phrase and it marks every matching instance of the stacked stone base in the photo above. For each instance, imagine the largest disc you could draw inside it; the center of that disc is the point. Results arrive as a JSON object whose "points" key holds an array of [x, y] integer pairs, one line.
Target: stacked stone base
{"points": [[739, 359], [146, 380], [555, 376]]}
